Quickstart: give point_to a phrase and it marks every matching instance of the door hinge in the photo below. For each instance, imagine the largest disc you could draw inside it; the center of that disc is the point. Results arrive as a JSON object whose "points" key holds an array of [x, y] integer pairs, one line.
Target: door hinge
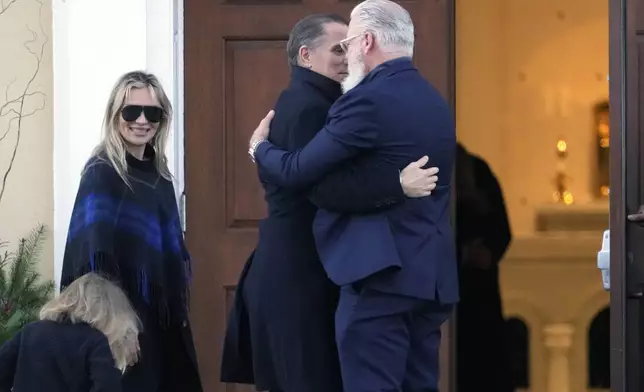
{"points": [[182, 211]]}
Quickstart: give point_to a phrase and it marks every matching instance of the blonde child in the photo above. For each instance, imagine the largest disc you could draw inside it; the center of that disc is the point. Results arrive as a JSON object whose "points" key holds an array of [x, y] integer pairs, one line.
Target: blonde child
{"points": [[84, 341]]}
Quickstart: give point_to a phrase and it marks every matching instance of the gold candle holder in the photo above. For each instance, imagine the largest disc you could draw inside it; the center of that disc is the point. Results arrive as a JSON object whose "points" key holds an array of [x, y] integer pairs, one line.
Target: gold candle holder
{"points": [[602, 137], [562, 192]]}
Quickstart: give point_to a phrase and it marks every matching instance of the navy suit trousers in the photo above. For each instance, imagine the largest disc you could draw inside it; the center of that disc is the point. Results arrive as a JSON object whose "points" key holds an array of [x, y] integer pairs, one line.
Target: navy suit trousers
{"points": [[388, 343]]}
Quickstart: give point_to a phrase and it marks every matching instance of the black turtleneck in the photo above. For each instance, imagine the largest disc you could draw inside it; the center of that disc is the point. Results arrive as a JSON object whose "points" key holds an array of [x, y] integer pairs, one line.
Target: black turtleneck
{"points": [[146, 164], [304, 78]]}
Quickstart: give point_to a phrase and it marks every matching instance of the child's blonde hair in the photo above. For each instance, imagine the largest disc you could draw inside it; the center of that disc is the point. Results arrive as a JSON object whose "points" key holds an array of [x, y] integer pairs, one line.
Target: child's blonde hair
{"points": [[96, 301]]}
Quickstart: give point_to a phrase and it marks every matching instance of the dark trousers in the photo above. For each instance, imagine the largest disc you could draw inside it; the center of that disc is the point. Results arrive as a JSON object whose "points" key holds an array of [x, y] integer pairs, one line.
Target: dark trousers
{"points": [[388, 343]]}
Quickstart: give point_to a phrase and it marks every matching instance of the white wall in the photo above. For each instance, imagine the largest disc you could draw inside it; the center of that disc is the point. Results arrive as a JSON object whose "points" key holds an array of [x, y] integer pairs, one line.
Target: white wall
{"points": [[94, 42]]}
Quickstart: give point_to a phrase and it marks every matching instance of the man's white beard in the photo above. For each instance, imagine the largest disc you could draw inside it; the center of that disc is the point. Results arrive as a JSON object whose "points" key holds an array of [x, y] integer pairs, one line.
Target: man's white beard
{"points": [[357, 72]]}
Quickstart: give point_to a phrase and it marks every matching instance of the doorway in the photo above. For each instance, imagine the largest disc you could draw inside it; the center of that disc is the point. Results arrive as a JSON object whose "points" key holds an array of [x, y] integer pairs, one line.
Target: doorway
{"points": [[532, 102]]}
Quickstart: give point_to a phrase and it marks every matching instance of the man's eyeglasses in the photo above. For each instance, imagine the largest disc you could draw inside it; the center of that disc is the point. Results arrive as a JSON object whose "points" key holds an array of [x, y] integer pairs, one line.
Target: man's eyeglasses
{"points": [[343, 43]]}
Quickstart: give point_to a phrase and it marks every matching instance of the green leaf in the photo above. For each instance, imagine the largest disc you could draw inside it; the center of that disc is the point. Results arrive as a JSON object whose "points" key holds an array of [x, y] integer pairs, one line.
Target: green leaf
{"points": [[15, 321], [22, 290]]}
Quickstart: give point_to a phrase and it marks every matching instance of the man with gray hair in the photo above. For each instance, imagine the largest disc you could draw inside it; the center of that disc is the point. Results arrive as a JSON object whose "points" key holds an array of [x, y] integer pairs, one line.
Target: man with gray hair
{"points": [[396, 267], [390, 25]]}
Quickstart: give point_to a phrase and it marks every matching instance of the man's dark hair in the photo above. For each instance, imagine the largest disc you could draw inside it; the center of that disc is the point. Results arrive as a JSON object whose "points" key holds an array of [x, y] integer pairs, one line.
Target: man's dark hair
{"points": [[307, 32]]}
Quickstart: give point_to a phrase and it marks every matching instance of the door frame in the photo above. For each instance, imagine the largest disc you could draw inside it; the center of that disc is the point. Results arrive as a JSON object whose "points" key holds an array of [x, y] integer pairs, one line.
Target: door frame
{"points": [[617, 205], [448, 342], [626, 188]]}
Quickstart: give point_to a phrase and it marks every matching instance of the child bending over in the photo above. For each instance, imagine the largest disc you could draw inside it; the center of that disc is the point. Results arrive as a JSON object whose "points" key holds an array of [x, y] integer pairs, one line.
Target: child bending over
{"points": [[86, 338]]}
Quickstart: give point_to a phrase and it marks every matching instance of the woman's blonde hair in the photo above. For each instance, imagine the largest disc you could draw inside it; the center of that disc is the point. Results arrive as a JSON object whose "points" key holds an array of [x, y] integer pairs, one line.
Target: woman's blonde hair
{"points": [[113, 147], [96, 301]]}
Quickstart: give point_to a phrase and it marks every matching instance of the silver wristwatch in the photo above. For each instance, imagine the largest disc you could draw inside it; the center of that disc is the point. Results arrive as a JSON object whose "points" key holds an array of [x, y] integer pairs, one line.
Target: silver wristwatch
{"points": [[253, 148]]}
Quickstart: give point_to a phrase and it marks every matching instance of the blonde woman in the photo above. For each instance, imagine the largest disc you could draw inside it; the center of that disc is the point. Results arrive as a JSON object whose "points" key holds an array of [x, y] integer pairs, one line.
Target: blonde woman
{"points": [[86, 338], [125, 224]]}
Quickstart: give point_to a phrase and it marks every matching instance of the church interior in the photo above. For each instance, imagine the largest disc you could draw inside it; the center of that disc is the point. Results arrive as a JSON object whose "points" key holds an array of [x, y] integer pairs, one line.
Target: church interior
{"points": [[532, 101]]}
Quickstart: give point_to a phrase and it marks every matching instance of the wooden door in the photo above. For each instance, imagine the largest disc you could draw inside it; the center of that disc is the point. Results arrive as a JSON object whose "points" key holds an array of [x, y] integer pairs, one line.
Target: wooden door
{"points": [[627, 193], [235, 67]]}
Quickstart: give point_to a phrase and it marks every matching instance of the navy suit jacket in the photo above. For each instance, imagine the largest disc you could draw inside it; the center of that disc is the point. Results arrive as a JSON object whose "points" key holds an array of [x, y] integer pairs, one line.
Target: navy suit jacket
{"points": [[409, 248]]}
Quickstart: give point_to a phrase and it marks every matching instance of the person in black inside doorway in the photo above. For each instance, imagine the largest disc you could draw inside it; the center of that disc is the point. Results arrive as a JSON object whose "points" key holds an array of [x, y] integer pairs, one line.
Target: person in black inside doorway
{"points": [[483, 236], [125, 225], [281, 332]]}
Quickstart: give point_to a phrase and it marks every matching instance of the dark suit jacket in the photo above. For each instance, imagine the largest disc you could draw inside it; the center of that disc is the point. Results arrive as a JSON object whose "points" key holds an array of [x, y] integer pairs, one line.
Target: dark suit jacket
{"points": [[366, 184], [53, 357], [408, 249]]}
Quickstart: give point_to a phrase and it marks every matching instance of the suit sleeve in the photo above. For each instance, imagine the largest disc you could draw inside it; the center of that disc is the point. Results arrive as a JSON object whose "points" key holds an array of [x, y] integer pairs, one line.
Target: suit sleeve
{"points": [[103, 373], [362, 186], [8, 360], [351, 128], [366, 185]]}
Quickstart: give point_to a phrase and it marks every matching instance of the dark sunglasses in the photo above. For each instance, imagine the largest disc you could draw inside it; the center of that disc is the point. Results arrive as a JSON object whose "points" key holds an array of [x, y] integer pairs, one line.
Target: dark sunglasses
{"points": [[153, 114]]}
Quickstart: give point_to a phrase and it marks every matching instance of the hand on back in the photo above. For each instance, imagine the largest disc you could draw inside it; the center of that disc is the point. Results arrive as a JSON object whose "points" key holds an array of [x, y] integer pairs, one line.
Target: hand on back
{"points": [[416, 181]]}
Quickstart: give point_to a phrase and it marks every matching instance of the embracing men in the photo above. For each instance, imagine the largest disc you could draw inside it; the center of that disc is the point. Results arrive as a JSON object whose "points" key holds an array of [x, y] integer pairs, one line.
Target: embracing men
{"points": [[396, 268]]}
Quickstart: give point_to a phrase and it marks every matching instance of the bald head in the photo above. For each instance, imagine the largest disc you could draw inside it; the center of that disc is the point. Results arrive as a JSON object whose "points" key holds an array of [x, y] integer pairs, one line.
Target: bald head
{"points": [[390, 24]]}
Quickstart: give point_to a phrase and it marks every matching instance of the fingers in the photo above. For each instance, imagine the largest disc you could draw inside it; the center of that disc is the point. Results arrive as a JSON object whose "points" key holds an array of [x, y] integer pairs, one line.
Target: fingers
{"points": [[266, 121], [422, 161], [269, 117], [428, 183], [427, 190], [430, 187]]}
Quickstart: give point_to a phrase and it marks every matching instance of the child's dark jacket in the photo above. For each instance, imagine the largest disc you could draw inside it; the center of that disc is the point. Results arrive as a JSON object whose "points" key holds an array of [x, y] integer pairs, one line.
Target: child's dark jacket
{"points": [[58, 357]]}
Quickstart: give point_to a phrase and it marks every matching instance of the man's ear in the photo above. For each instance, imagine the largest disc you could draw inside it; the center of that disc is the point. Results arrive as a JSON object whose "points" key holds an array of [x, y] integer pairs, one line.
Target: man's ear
{"points": [[369, 42], [305, 56]]}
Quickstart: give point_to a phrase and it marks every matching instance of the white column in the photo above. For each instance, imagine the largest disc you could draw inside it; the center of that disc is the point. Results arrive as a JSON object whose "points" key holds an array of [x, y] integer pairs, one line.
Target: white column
{"points": [[164, 58], [94, 42], [558, 339]]}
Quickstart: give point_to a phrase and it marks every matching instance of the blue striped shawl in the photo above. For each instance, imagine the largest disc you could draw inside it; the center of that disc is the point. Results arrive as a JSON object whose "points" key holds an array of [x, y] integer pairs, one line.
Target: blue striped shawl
{"points": [[132, 235]]}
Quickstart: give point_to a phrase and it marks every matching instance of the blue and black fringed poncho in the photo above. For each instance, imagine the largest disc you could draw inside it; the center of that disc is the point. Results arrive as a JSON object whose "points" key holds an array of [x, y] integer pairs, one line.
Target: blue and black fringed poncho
{"points": [[132, 235]]}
